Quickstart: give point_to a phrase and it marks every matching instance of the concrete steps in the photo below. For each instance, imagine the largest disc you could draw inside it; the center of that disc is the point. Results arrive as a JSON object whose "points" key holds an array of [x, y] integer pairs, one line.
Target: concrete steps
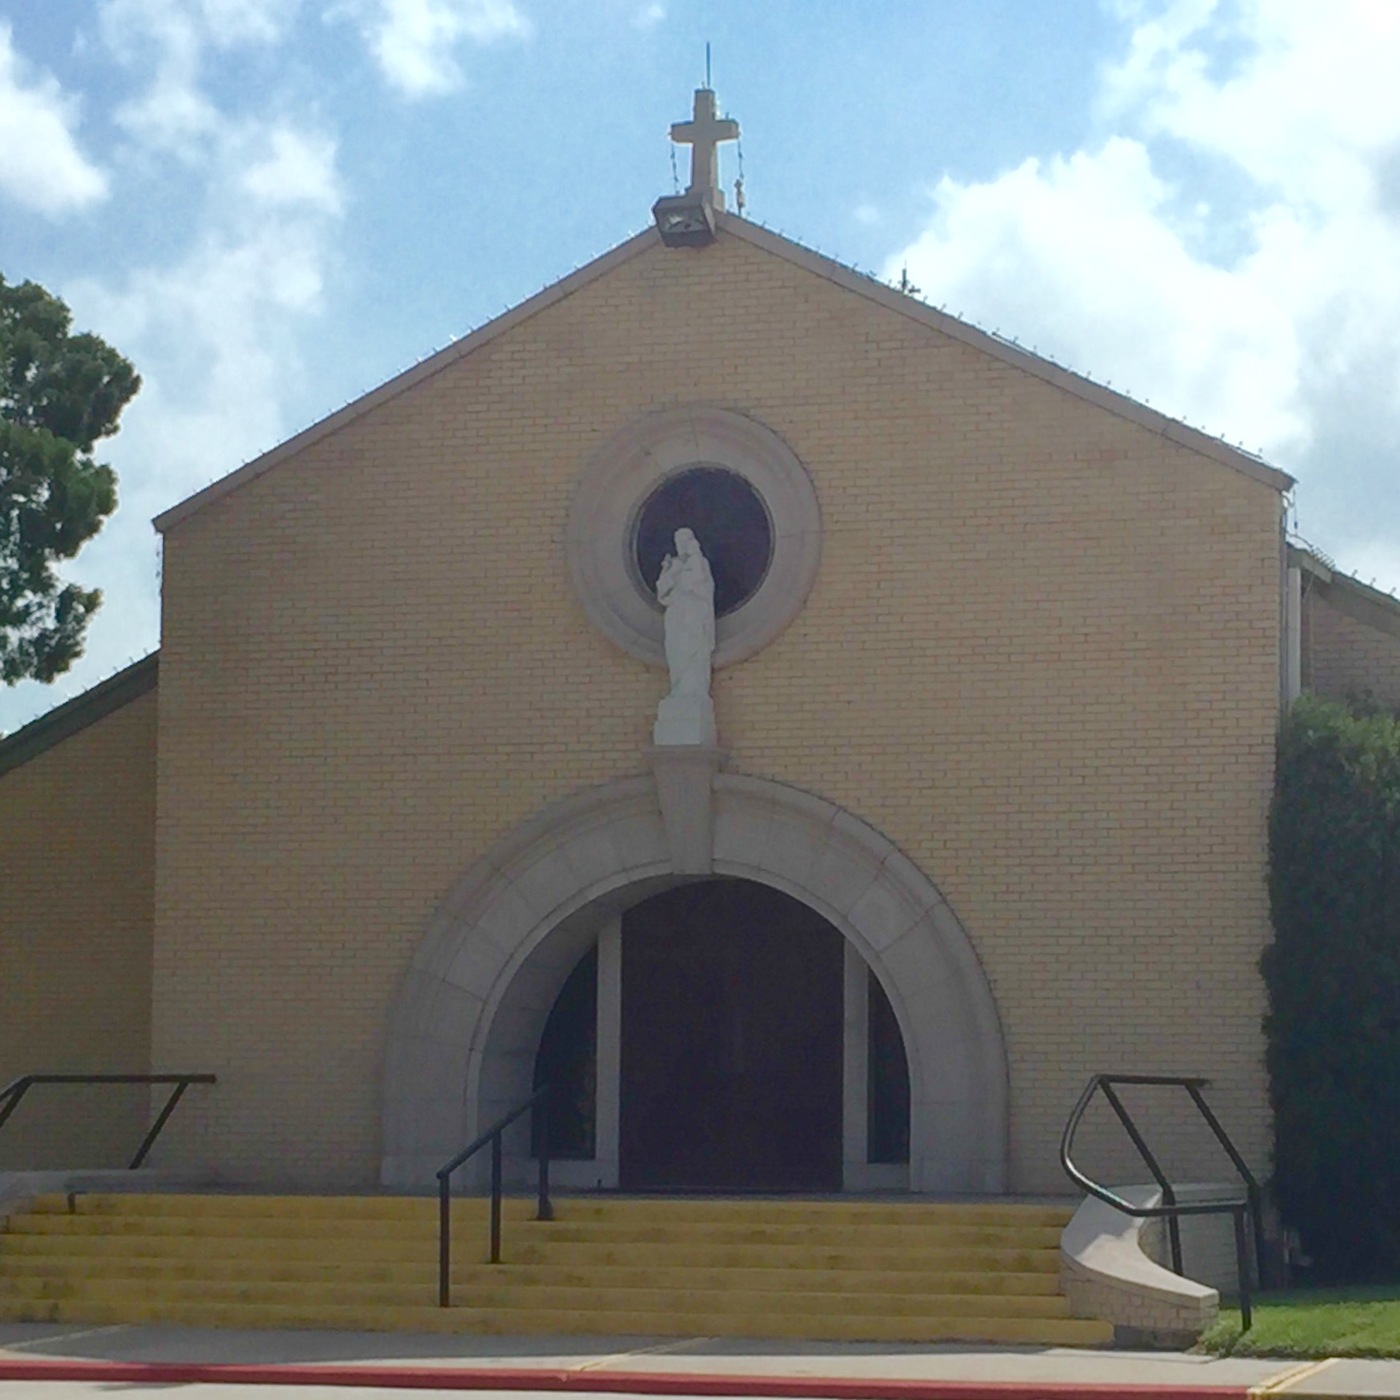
{"points": [[826, 1270]]}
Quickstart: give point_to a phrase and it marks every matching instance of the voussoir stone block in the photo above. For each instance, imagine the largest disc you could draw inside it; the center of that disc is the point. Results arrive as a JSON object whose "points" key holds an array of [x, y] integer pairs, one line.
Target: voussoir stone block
{"points": [[884, 913], [451, 1012], [594, 853], [741, 831], [547, 882], [641, 842], [685, 777], [843, 873], [478, 963], [502, 921], [793, 850]]}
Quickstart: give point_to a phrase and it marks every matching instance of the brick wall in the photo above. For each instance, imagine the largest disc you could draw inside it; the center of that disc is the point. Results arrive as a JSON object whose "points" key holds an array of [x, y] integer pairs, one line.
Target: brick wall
{"points": [[1041, 654], [77, 876]]}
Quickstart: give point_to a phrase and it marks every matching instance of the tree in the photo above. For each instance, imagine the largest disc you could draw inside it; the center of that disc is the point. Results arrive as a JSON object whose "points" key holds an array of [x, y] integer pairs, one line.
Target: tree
{"points": [[59, 395], [1333, 974]]}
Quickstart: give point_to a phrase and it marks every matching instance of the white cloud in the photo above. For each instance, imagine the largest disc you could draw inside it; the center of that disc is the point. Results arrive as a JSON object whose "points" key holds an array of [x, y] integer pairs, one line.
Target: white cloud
{"points": [[213, 339], [299, 168], [224, 24], [41, 166], [168, 39], [1307, 109], [648, 16], [415, 42], [1274, 318], [231, 22], [214, 334], [1077, 255], [216, 337]]}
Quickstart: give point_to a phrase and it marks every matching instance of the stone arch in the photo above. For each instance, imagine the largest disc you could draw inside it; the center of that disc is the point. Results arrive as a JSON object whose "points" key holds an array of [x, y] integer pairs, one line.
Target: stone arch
{"points": [[470, 1010]]}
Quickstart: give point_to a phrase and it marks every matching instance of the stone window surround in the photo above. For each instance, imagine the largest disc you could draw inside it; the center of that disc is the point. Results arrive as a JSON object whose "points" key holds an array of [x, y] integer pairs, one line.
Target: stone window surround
{"points": [[620, 477]]}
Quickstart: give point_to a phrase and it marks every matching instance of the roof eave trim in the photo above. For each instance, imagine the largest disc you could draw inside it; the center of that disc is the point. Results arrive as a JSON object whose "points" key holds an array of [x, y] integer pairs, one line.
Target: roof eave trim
{"points": [[1051, 373], [1309, 563], [424, 369]]}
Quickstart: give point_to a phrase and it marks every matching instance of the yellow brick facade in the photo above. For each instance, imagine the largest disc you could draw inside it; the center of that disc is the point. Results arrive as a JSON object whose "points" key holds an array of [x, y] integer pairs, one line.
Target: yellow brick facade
{"points": [[1041, 655], [77, 824]]}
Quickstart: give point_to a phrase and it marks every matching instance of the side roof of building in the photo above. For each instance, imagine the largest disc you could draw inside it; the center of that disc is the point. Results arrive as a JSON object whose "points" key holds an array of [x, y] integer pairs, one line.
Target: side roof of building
{"points": [[77, 714], [1349, 595]]}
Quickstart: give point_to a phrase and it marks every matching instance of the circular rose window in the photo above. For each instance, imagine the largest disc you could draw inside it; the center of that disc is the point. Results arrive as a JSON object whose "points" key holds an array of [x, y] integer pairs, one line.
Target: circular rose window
{"points": [[729, 520], [732, 481]]}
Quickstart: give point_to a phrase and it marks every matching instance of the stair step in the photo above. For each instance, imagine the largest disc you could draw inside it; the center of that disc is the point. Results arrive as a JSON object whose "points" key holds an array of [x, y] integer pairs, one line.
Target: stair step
{"points": [[390, 1250], [764, 1210], [233, 1204], [540, 1321], [423, 1272], [424, 1231], [834, 1270], [836, 1235], [726, 1301], [227, 1226], [537, 1251], [534, 1251]]}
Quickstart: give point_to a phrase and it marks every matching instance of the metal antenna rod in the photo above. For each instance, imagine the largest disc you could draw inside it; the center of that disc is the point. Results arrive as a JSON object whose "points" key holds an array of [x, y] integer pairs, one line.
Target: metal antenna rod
{"points": [[707, 63]]}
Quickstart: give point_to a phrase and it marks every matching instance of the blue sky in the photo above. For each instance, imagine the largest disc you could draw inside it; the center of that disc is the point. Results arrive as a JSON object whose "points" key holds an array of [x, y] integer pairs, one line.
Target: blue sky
{"points": [[271, 206]]}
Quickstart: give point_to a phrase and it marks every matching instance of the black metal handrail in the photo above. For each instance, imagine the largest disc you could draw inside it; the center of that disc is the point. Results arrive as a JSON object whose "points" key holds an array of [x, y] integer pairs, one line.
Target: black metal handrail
{"points": [[11, 1095], [1171, 1210], [493, 1135]]}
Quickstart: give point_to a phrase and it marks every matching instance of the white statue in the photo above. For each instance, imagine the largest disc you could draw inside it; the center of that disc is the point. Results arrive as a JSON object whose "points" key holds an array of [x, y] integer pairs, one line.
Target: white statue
{"points": [[686, 589]]}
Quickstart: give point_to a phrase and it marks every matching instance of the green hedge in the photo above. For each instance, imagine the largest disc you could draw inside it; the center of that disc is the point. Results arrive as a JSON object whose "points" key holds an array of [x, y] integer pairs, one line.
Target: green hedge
{"points": [[1333, 976]]}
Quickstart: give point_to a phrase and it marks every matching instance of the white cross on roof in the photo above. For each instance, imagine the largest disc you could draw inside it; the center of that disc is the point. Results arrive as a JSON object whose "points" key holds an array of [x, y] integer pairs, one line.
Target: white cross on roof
{"points": [[702, 134]]}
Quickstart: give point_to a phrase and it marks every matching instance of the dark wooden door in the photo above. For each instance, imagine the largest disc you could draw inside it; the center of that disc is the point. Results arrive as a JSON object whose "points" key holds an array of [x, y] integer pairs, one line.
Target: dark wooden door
{"points": [[731, 1042]]}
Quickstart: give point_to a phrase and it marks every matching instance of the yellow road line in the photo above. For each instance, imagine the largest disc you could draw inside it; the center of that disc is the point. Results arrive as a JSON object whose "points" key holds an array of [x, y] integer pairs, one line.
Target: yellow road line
{"points": [[1286, 1380], [64, 1336], [658, 1349]]}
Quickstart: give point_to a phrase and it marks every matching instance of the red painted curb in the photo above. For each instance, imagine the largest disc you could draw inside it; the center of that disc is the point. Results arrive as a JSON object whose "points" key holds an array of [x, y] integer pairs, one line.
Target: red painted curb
{"points": [[622, 1382]]}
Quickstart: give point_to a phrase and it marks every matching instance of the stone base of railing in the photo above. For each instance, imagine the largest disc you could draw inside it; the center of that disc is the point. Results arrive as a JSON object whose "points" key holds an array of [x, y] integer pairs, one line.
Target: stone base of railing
{"points": [[1109, 1270]]}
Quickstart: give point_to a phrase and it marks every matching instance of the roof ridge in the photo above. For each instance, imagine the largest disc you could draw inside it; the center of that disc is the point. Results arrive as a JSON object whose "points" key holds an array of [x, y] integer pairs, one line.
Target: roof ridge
{"points": [[867, 285], [863, 284], [426, 368]]}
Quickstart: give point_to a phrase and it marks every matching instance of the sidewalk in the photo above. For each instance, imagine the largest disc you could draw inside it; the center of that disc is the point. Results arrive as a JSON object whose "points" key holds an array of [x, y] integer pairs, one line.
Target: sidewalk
{"points": [[39, 1358]]}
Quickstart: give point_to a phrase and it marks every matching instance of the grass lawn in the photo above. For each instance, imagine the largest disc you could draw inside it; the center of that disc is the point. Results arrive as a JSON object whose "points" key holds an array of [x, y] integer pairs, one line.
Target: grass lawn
{"points": [[1313, 1322]]}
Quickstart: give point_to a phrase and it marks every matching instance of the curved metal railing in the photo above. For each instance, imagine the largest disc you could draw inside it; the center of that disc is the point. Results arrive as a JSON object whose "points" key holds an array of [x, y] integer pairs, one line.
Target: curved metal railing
{"points": [[1171, 1210]]}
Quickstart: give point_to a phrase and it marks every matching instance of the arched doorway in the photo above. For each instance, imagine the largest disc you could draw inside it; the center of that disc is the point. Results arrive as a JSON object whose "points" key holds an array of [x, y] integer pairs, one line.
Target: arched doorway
{"points": [[466, 1029], [746, 1052]]}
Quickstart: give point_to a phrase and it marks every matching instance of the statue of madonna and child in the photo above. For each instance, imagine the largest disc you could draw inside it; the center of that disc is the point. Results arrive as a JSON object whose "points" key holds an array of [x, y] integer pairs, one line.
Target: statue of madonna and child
{"points": [[685, 588]]}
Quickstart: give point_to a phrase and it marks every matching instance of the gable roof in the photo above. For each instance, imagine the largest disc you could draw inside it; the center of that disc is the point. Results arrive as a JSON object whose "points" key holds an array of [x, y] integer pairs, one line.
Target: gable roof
{"points": [[731, 225]]}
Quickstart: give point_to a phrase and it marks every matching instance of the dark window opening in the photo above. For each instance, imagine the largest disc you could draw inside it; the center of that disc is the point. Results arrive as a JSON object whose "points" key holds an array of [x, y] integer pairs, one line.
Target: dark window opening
{"points": [[568, 1062], [887, 1124], [729, 519]]}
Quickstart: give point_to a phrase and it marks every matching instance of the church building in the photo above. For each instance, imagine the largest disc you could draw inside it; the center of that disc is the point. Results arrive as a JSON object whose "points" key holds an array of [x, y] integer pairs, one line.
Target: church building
{"points": [[811, 734]]}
